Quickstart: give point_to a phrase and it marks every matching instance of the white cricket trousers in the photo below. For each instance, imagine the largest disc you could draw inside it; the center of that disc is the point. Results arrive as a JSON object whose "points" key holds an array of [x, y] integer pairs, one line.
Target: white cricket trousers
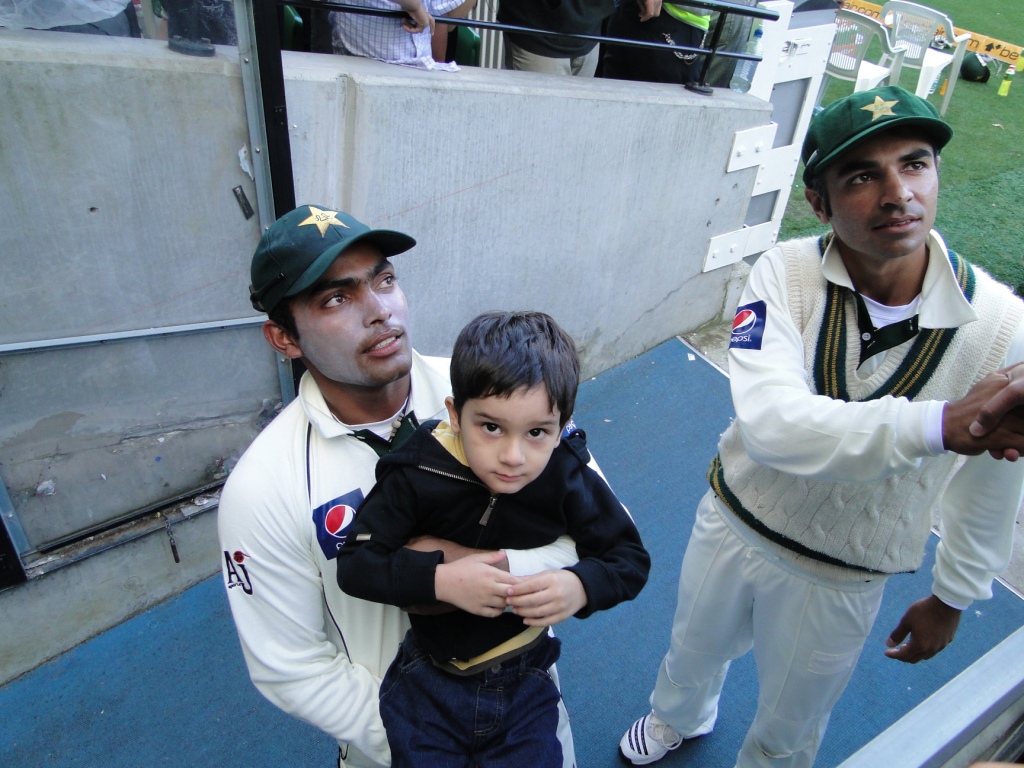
{"points": [[807, 634]]}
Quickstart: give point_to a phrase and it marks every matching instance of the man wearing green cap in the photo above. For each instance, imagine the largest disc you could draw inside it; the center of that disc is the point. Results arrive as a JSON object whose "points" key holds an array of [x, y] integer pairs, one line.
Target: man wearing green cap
{"points": [[858, 362], [333, 301]]}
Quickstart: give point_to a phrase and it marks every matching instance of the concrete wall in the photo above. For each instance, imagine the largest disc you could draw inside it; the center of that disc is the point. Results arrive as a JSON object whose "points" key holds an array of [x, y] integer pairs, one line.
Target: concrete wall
{"points": [[593, 201]]}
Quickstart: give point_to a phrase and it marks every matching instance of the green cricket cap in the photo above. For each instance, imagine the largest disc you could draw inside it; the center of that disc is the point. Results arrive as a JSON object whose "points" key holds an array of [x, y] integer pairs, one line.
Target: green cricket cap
{"points": [[300, 246], [852, 119]]}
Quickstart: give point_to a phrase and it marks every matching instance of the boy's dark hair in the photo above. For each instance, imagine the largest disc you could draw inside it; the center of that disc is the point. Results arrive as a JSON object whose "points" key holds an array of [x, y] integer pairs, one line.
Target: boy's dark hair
{"points": [[499, 353]]}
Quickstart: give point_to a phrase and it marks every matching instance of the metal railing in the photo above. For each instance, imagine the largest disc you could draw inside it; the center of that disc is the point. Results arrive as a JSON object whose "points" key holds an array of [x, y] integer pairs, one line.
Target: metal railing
{"points": [[975, 716], [259, 49], [708, 52]]}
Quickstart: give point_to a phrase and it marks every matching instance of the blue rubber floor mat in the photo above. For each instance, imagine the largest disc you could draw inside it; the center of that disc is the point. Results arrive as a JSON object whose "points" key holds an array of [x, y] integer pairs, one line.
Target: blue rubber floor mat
{"points": [[169, 687], [654, 424]]}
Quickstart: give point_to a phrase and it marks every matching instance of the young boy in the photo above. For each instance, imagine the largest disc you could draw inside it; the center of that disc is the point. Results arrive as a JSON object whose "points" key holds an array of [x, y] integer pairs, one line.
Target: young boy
{"points": [[470, 686]]}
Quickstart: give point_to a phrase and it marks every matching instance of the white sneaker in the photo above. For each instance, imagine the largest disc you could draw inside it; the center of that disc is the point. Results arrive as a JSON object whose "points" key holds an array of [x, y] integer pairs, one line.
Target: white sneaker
{"points": [[648, 739]]}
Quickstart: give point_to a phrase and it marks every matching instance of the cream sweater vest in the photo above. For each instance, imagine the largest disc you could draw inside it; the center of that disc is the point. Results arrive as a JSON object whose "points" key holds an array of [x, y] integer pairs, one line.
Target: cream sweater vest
{"points": [[879, 526]]}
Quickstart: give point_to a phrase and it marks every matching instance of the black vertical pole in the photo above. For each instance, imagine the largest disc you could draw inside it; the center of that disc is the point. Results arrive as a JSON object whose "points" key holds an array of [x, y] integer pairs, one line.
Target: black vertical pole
{"points": [[701, 86], [266, 22]]}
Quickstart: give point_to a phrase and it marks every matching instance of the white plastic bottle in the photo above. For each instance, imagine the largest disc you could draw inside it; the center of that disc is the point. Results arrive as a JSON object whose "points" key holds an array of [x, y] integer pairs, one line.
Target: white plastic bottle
{"points": [[743, 75]]}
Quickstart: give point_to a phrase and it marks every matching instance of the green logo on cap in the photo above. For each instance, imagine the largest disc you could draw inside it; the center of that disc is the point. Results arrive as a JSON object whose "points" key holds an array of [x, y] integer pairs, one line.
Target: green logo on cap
{"points": [[322, 219]]}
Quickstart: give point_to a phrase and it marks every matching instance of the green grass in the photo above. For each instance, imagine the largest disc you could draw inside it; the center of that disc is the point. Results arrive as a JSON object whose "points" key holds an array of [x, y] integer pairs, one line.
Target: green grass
{"points": [[981, 202]]}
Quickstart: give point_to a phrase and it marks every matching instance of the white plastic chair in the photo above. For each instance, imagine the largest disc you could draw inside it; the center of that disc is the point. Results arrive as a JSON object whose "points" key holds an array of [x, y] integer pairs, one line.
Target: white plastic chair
{"points": [[854, 34], [915, 26]]}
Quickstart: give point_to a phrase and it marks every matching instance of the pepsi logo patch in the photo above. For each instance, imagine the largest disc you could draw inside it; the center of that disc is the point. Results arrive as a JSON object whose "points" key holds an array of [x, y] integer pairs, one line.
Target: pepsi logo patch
{"points": [[333, 521], [748, 326]]}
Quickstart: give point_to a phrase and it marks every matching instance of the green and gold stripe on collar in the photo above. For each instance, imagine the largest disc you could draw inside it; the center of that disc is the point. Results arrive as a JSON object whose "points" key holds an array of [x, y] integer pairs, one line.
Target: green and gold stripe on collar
{"points": [[917, 367]]}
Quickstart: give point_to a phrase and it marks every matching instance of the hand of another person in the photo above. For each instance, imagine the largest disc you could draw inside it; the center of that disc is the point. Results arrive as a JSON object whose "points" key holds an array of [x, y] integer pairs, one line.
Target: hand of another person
{"points": [[1010, 397], [451, 550], [931, 625], [474, 584], [1004, 439], [649, 9], [547, 598], [418, 19]]}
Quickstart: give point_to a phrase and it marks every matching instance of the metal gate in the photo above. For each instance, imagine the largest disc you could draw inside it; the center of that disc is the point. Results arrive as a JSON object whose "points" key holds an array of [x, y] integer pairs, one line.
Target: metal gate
{"points": [[789, 78]]}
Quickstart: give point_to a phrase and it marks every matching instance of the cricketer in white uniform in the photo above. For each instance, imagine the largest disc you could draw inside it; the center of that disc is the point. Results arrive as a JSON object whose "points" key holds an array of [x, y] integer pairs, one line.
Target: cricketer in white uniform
{"points": [[855, 364], [312, 650]]}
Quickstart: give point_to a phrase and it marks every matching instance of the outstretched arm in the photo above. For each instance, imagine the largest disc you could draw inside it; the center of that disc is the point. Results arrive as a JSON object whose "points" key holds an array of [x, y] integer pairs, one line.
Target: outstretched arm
{"points": [[785, 426]]}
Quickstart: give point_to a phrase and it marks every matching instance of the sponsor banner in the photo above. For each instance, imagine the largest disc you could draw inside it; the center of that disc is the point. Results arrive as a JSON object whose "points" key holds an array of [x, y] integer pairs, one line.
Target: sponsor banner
{"points": [[988, 46]]}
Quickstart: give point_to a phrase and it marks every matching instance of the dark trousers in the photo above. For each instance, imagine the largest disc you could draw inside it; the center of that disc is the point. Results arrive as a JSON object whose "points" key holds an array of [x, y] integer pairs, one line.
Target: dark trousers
{"points": [[212, 20], [505, 716], [623, 63]]}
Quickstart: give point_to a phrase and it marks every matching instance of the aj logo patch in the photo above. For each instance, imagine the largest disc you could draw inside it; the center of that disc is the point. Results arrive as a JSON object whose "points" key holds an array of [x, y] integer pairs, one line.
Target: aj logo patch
{"points": [[333, 520], [235, 572], [748, 326]]}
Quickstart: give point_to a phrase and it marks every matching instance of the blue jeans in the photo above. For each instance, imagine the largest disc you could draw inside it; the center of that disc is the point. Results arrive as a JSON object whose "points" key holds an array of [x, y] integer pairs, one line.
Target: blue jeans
{"points": [[504, 716]]}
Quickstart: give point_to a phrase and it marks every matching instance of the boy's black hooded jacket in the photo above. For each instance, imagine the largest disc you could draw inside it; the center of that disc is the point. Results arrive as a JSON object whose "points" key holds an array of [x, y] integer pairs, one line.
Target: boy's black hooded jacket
{"points": [[423, 490]]}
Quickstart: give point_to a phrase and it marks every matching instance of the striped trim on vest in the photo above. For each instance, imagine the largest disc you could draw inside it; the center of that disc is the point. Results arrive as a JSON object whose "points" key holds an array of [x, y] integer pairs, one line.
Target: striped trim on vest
{"points": [[716, 478], [917, 367]]}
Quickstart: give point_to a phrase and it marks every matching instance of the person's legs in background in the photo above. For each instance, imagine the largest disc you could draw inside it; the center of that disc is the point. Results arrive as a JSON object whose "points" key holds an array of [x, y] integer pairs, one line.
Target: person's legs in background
{"points": [[625, 63], [579, 66], [439, 41]]}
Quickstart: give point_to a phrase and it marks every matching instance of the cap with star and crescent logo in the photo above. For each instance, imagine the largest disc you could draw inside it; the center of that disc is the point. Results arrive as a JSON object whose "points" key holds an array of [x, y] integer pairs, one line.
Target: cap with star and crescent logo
{"points": [[852, 119], [300, 246]]}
